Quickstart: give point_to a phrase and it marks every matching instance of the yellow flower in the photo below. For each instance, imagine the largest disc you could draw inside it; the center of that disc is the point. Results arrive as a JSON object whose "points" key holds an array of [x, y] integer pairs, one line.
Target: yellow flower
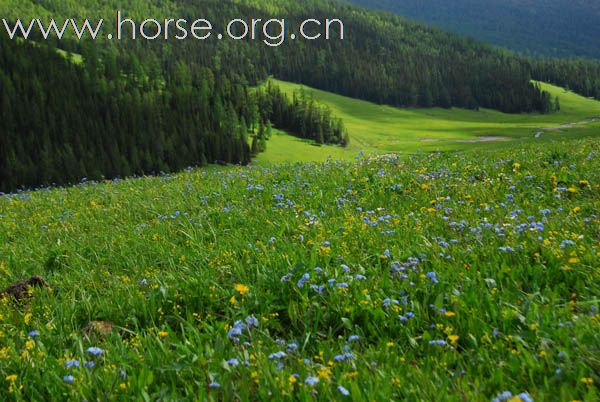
{"points": [[242, 289], [450, 314], [587, 381], [572, 190], [163, 334], [324, 373], [573, 260], [584, 182], [576, 210], [292, 379], [11, 378], [123, 386], [29, 344], [453, 339], [390, 344]]}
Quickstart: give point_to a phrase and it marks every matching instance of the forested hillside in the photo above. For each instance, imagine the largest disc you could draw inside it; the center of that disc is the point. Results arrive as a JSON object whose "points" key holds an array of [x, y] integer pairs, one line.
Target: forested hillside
{"points": [[134, 107], [539, 27]]}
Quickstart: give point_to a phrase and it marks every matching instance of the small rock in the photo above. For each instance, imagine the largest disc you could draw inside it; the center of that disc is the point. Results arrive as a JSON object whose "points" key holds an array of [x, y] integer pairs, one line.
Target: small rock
{"points": [[98, 330], [20, 290]]}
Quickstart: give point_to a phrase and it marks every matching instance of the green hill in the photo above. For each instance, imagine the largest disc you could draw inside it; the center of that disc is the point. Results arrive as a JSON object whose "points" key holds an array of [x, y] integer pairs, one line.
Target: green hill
{"points": [[432, 277], [379, 129]]}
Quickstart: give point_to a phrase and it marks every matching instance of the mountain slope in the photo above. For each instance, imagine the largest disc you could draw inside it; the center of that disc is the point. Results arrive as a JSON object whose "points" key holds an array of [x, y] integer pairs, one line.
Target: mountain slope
{"points": [[539, 27], [198, 97]]}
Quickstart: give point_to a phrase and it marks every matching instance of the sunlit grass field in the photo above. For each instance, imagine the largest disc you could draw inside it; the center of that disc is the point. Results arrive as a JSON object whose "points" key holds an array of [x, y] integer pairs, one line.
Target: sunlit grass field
{"points": [[376, 128], [431, 277]]}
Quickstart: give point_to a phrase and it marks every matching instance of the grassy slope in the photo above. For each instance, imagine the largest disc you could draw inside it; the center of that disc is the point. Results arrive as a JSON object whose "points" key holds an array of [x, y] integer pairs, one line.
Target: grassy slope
{"points": [[160, 258], [377, 128]]}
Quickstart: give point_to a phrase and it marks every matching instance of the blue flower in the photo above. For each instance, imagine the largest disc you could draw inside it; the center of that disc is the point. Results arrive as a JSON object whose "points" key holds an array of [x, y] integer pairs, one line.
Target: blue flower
{"points": [[343, 390], [525, 397], [438, 342], [353, 338], [68, 379], [72, 363], [33, 334], [432, 277], [233, 362], [388, 302], [89, 364], [312, 381], [342, 285], [214, 385], [292, 347], [360, 277], [95, 351], [123, 374], [277, 355], [345, 268], [305, 278], [251, 321]]}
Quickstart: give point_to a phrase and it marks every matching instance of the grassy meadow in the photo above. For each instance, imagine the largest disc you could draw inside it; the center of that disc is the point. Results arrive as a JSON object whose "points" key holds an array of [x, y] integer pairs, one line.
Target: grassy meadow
{"points": [[378, 128], [445, 276]]}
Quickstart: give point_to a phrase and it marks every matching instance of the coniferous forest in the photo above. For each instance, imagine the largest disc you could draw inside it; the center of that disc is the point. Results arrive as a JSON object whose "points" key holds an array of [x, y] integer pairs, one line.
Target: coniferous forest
{"points": [[111, 109]]}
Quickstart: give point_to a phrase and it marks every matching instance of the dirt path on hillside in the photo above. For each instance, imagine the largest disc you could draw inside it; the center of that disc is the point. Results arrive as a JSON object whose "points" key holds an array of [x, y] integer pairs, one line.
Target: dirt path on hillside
{"points": [[565, 126]]}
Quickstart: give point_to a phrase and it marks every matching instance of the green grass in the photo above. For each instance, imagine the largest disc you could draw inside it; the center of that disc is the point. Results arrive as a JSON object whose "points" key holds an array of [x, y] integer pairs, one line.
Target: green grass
{"points": [[377, 128], [511, 235]]}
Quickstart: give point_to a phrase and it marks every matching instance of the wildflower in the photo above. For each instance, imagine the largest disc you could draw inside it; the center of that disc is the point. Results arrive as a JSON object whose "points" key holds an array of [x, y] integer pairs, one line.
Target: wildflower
{"points": [[360, 277], [449, 314], [89, 364], [524, 396], [123, 374], [292, 379], [163, 334], [72, 363], [438, 342], [292, 347], [353, 338], [389, 302], [68, 379], [235, 332], [11, 378], [453, 339], [324, 373], [588, 381], [345, 268], [95, 351], [343, 390], [312, 381], [305, 278], [432, 277], [242, 289], [33, 334], [214, 385], [277, 355], [251, 322], [122, 386], [233, 362]]}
